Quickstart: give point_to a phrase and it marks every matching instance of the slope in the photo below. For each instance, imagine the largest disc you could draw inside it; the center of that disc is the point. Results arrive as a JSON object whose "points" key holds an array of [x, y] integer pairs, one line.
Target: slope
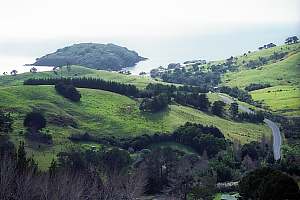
{"points": [[105, 113]]}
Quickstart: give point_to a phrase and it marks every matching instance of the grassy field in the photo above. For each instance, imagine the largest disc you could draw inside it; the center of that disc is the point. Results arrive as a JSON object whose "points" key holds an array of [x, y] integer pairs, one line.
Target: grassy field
{"points": [[286, 72], [104, 113], [280, 99]]}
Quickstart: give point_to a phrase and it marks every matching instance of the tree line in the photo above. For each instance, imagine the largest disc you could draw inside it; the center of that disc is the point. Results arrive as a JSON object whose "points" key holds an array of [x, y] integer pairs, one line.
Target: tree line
{"points": [[92, 83]]}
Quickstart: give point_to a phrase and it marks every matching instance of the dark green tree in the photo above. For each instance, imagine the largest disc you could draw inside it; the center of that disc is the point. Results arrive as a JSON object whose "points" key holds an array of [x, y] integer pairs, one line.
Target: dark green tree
{"points": [[218, 108], [266, 184], [34, 121], [234, 109], [5, 122]]}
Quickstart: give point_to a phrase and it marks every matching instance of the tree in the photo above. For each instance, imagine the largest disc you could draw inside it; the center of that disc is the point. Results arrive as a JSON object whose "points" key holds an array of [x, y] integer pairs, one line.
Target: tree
{"points": [[67, 90], [218, 108], [5, 122], [291, 40], [116, 160], [33, 70], [34, 121], [234, 109], [13, 72], [267, 183]]}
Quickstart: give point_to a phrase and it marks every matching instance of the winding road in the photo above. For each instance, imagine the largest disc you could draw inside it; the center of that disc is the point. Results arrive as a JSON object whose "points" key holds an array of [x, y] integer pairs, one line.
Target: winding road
{"points": [[277, 140]]}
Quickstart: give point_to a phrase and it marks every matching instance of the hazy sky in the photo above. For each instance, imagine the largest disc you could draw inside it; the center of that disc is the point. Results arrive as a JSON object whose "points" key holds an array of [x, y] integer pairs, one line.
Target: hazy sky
{"points": [[44, 19]]}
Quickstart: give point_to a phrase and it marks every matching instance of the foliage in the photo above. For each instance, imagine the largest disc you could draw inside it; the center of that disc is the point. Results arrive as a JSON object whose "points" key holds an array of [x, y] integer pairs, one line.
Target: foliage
{"points": [[235, 92], [257, 86], [234, 109], [218, 108], [196, 100], [266, 183], [96, 56], [257, 117], [34, 121], [155, 104], [92, 83], [187, 77], [6, 122], [68, 91]]}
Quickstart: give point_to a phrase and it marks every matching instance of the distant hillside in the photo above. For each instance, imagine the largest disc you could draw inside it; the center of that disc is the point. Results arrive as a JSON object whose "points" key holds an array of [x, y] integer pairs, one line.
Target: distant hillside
{"points": [[92, 55]]}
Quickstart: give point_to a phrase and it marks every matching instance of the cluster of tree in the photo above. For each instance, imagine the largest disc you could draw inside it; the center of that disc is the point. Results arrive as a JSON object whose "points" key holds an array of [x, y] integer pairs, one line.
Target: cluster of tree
{"points": [[291, 40], [265, 60], [189, 77], [267, 183], [92, 83], [267, 46], [155, 104], [200, 138], [172, 89], [291, 128], [76, 175], [235, 92], [181, 176], [184, 95], [218, 108], [96, 56], [255, 117], [196, 100], [6, 122], [35, 122], [68, 90], [257, 86]]}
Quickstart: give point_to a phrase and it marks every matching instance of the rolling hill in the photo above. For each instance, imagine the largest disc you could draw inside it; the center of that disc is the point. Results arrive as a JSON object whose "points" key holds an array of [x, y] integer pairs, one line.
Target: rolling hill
{"points": [[283, 96], [105, 113]]}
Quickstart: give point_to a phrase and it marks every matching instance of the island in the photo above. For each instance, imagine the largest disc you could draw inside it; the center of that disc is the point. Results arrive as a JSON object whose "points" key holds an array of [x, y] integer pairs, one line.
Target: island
{"points": [[109, 57]]}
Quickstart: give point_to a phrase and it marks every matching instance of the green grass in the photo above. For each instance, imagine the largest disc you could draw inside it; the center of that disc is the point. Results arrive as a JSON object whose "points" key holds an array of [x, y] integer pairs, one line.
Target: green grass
{"points": [[105, 113], [280, 99], [286, 72]]}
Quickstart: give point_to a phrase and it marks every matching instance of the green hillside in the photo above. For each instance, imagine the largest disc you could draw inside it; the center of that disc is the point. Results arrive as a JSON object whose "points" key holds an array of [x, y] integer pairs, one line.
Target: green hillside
{"points": [[105, 113], [284, 77]]}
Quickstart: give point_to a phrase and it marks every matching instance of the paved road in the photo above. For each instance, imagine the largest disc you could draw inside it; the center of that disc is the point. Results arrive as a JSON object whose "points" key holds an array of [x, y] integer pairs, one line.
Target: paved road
{"points": [[277, 140]]}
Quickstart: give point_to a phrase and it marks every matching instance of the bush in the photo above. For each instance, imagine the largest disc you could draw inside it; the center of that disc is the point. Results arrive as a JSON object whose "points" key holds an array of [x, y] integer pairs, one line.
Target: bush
{"points": [[267, 183], [68, 91], [34, 121]]}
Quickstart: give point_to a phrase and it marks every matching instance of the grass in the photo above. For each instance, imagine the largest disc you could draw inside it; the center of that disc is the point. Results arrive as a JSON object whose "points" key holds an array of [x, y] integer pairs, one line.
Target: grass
{"points": [[104, 113], [286, 72], [280, 99]]}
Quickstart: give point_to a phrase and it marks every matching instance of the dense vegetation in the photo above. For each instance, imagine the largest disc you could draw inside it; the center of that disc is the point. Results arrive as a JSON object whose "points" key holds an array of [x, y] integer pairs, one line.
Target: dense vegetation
{"points": [[95, 56], [67, 90], [268, 184], [199, 137], [257, 86], [92, 83]]}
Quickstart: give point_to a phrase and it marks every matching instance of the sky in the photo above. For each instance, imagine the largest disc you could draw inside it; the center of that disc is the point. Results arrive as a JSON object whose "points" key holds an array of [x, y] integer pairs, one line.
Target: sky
{"points": [[44, 19], [163, 30]]}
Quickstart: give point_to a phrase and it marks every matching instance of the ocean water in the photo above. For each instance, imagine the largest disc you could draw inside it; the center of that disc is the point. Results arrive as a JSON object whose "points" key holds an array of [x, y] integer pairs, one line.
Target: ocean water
{"points": [[160, 51]]}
